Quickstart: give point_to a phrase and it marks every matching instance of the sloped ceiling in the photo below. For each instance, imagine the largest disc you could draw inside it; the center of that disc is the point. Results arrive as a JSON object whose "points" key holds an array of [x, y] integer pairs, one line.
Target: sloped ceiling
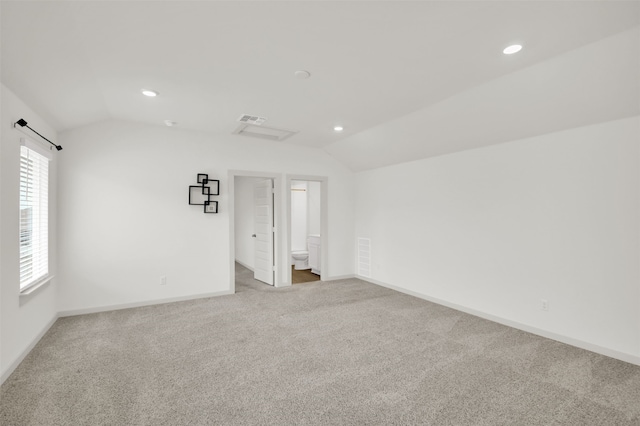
{"points": [[592, 84], [407, 80]]}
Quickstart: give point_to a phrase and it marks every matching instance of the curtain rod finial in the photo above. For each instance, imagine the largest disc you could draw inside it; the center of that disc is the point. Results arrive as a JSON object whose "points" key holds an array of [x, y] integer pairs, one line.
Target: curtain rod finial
{"points": [[21, 122]]}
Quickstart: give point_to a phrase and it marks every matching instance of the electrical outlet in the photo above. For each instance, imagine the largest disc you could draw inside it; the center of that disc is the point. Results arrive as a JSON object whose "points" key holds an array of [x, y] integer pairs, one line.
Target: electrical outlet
{"points": [[163, 280], [544, 304]]}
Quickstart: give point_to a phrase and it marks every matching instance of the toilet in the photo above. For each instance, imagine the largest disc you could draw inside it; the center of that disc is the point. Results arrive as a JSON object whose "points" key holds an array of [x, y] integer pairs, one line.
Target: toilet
{"points": [[300, 259]]}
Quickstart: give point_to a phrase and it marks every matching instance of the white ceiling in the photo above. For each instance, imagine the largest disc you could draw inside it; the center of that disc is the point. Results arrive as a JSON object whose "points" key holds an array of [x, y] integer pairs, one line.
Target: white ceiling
{"points": [[371, 63]]}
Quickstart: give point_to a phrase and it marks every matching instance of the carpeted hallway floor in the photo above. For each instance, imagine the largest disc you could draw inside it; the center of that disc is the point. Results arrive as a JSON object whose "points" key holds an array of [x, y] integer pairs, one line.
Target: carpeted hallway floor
{"points": [[343, 352]]}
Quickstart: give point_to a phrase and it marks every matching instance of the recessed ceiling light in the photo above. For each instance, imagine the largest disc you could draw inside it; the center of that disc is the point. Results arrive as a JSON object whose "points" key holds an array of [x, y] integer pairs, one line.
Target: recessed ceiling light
{"points": [[302, 74], [170, 123], [510, 50], [338, 128], [149, 93]]}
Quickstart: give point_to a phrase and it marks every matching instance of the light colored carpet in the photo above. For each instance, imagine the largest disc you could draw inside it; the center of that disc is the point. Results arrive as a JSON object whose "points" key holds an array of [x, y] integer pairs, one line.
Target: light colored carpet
{"points": [[344, 352]]}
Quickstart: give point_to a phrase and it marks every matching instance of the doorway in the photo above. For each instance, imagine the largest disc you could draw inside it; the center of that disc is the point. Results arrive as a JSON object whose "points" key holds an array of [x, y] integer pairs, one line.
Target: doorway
{"points": [[307, 228], [254, 238], [282, 225]]}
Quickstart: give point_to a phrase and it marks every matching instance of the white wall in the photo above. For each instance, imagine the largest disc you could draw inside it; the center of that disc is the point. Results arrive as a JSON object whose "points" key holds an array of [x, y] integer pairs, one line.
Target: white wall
{"points": [[306, 212], [22, 319], [244, 222], [125, 221], [299, 216], [496, 229], [314, 210]]}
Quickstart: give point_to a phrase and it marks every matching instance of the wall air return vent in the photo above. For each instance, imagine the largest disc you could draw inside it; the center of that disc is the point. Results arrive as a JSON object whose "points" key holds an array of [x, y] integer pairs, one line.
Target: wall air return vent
{"points": [[251, 119], [263, 132], [364, 257]]}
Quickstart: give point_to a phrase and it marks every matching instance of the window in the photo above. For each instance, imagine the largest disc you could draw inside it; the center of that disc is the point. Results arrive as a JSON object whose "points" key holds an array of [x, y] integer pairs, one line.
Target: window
{"points": [[34, 215]]}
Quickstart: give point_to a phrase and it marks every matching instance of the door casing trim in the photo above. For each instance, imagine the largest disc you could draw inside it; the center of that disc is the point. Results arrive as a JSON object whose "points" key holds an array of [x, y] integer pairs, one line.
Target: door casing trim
{"points": [[277, 214]]}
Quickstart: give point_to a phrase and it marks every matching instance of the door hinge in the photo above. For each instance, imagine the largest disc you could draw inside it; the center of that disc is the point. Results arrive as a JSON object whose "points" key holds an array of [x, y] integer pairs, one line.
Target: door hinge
{"points": [[273, 268]]}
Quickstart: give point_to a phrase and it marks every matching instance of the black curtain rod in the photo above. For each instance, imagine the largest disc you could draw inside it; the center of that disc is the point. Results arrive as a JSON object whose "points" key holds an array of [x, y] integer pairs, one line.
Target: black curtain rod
{"points": [[23, 123]]}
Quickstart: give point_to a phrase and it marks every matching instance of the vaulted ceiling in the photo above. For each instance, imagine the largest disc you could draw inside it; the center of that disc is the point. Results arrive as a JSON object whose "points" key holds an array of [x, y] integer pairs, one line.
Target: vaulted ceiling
{"points": [[404, 79]]}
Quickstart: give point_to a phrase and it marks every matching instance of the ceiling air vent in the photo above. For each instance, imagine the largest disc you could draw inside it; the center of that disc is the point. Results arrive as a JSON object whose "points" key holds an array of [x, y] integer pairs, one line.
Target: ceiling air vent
{"points": [[251, 119], [263, 132]]}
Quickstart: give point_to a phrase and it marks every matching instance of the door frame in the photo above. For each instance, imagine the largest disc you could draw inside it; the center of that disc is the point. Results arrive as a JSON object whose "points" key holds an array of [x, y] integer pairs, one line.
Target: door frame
{"points": [[324, 223], [277, 238]]}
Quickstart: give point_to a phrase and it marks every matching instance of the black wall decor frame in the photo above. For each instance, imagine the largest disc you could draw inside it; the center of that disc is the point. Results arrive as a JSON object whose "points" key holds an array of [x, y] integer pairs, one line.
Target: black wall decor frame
{"points": [[200, 195], [211, 207]]}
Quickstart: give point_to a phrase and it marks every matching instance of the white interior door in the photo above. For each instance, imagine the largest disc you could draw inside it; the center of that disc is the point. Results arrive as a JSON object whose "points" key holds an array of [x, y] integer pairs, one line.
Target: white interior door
{"points": [[263, 226]]}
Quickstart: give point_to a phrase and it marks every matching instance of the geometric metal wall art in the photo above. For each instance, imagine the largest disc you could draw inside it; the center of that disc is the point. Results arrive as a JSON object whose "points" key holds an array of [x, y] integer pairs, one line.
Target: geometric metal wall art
{"points": [[200, 195]]}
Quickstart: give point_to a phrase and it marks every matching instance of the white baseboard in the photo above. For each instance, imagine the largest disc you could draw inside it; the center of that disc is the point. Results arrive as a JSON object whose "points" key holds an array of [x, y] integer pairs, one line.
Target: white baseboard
{"points": [[632, 359], [339, 277], [96, 309], [25, 352]]}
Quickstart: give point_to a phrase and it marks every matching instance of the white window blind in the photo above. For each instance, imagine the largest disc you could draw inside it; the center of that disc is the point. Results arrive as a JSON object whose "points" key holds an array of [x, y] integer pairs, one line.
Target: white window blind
{"points": [[34, 217]]}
